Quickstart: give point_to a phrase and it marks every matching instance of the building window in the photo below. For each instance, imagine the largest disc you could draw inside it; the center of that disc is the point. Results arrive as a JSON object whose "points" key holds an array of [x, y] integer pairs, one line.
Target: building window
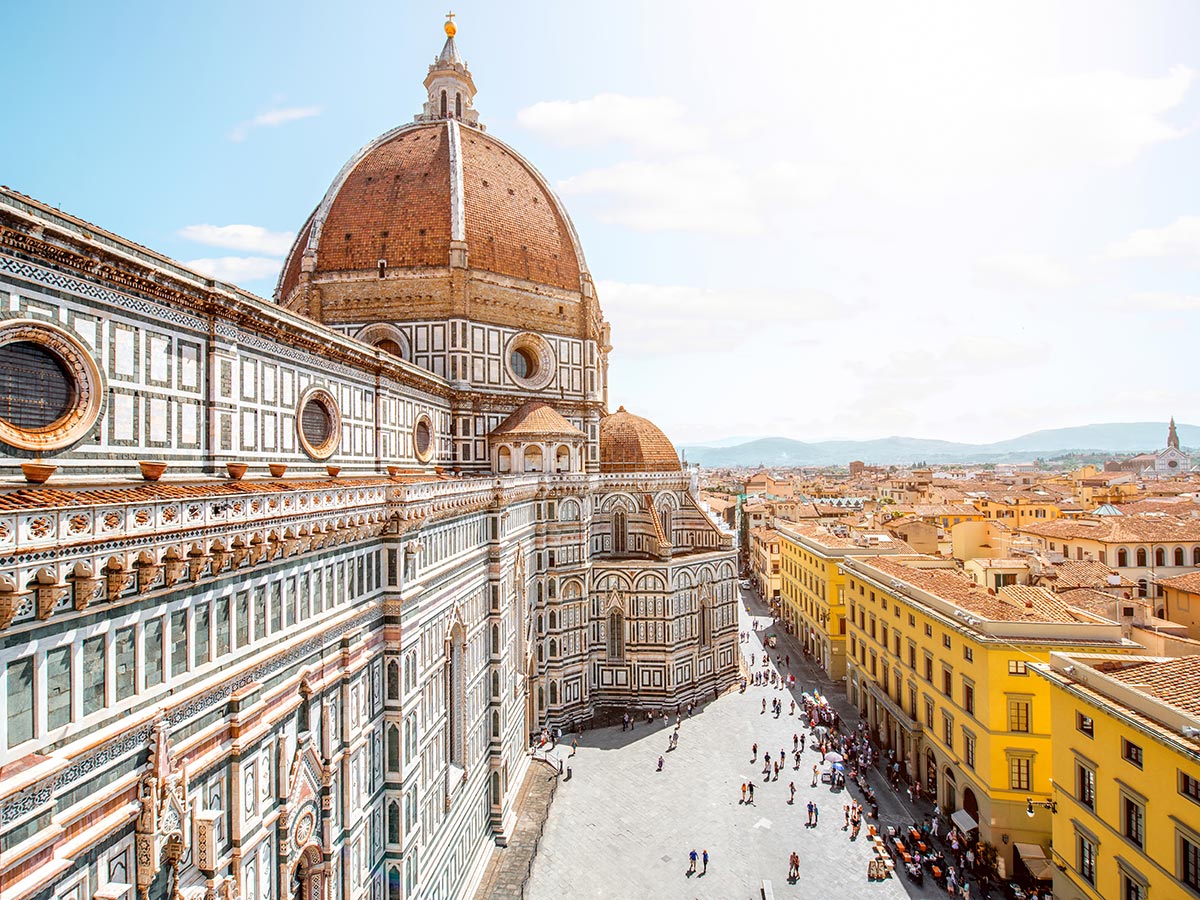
{"points": [[1133, 820], [928, 712], [422, 436], [947, 682], [1017, 667], [968, 654], [179, 643], [1189, 787], [20, 701], [1085, 785], [1131, 753], [1132, 889], [1018, 715], [928, 630], [95, 672], [968, 749], [1189, 863], [1086, 862], [152, 647], [948, 732], [1085, 724], [929, 669], [969, 698], [946, 641], [1018, 773], [319, 423], [126, 672], [200, 635], [616, 636], [58, 687]]}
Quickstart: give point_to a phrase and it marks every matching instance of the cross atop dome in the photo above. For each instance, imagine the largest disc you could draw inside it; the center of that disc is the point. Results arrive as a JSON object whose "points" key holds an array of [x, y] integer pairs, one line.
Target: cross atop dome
{"points": [[449, 83]]}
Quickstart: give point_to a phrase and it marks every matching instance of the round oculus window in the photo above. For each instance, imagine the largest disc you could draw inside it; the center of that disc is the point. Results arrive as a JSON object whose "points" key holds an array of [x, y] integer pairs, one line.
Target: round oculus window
{"points": [[423, 438], [319, 423], [51, 389], [530, 361]]}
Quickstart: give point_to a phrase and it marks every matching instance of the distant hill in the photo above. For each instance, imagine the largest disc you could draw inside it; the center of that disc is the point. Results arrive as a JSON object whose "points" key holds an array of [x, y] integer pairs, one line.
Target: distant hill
{"points": [[1116, 438]]}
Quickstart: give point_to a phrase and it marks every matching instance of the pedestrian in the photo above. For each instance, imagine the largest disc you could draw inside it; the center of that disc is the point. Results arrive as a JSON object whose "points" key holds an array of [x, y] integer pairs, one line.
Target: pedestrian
{"points": [[816, 815], [764, 706], [814, 783], [750, 785], [792, 711], [754, 751], [743, 800], [776, 771], [808, 824], [574, 745], [691, 862], [792, 790], [795, 741], [846, 811], [660, 763], [704, 857], [787, 660]]}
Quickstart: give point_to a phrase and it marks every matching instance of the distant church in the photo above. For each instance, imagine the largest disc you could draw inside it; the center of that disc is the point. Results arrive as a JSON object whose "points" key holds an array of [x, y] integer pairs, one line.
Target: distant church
{"points": [[1162, 463]]}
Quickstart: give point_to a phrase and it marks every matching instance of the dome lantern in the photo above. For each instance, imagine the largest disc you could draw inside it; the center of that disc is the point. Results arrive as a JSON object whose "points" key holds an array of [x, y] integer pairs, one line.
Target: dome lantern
{"points": [[451, 90]]}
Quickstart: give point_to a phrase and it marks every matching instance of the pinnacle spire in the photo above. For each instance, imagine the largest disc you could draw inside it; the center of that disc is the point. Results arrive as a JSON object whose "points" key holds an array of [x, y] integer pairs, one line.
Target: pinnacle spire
{"points": [[451, 90], [1173, 435]]}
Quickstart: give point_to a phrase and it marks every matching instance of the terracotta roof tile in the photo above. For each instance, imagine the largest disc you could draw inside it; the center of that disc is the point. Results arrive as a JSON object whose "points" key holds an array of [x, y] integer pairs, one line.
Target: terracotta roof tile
{"points": [[629, 443], [1175, 682], [536, 418]]}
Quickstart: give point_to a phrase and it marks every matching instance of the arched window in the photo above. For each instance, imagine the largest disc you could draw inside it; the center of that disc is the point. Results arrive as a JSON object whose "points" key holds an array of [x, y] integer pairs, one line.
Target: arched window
{"points": [[1143, 587], [393, 826], [616, 636], [443, 104], [495, 640], [1179, 556], [393, 883], [553, 619], [1196, 556], [503, 460], [495, 684], [1141, 556], [457, 105], [619, 532], [1160, 556], [1122, 558], [553, 649], [533, 458], [393, 680], [664, 519], [495, 789], [393, 748], [562, 459], [553, 693], [495, 724], [456, 697]]}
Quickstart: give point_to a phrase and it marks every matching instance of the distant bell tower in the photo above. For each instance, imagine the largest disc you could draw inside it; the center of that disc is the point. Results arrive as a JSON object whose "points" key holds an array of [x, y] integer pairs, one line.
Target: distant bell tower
{"points": [[1173, 435], [450, 86]]}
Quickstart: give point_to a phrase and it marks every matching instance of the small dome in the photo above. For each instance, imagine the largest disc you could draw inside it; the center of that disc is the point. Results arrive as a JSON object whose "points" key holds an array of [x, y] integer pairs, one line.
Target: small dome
{"points": [[536, 419], [629, 443]]}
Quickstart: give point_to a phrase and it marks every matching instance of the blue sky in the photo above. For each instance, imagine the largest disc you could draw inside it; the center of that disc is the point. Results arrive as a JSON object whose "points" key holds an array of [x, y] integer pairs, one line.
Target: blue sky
{"points": [[960, 221]]}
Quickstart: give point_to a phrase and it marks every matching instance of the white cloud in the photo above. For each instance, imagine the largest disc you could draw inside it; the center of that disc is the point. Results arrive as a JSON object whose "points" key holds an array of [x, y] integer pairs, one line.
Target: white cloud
{"points": [[1180, 238], [703, 193], [246, 238], [1157, 301], [659, 319], [236, 269], [273, 118], [646, 123], [1024, 270]]}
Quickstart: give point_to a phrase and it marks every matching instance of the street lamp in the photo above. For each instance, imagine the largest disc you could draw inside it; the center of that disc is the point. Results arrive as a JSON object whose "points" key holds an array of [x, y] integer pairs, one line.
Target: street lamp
{"points": [[1044, 804]]}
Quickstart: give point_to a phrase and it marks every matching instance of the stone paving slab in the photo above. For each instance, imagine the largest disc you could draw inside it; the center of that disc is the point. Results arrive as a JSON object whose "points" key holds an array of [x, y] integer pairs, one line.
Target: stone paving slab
{"points": [[621, 829]]}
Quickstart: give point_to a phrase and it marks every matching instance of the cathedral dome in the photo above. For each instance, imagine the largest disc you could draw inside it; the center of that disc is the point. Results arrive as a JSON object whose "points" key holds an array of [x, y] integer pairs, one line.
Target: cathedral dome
{"points": [[629, 443], [412, 197]]}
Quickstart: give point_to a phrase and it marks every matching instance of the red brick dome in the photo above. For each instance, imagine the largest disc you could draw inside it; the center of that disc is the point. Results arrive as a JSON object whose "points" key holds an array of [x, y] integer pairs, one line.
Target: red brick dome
{"points": [[406, 197], [629, 443]]}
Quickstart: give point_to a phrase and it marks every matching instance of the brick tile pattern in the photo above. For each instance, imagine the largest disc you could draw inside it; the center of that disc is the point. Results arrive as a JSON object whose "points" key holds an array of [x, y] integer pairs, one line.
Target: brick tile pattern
{"points": [[629, 443]]}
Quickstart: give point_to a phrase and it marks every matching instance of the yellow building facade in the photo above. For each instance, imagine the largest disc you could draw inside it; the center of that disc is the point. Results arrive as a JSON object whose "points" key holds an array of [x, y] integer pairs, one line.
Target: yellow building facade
{"points": [[765, 562], [1126, 771], [812, 582], [939, 668]]}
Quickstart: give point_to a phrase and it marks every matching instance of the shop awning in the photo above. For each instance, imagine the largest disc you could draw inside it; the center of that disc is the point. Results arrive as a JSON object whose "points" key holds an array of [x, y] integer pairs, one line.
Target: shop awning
{"points": [[1034, 858], [963, 820]]}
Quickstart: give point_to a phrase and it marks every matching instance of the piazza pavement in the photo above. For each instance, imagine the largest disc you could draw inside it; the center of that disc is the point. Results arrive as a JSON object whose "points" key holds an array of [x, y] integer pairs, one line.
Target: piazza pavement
{"points": [[621, 830]]}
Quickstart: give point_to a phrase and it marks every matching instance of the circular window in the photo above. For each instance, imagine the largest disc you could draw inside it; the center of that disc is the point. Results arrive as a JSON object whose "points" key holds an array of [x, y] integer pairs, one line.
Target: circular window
{"points": [[51, 389], [319, 423], [423, 438], [530, 361]]}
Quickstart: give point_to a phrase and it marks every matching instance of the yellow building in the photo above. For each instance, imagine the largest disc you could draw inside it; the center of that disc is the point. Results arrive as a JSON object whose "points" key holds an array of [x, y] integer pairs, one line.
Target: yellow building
{"points": [[811, 586], [1126, 768], [939, 668], [1019, 507], [1181, 601], [764, 562]]}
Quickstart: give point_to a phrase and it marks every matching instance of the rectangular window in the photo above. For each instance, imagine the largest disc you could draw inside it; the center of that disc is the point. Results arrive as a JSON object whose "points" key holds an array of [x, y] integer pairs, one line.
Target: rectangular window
{"points": [[947, 682], [1130, 888], [1133, 820], [152, 650], [243, 620], [276, 607], [1189, 863], [306, 597], [1189, 786], [20, 701], [221, 615], [946, 641], [912, 657], [1086, 858], [968, 654], [969, 698], [179, 643], [200, 635], [928, 630], [928, 712], [95, 672], [125, 674], [58, 687], [1017, 667], [260, 613], [929, 669], [968, 749], [948, 731], [1085, 724], [1018, 715], [1085, 785], [1018, 773], [1131, 753]]}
